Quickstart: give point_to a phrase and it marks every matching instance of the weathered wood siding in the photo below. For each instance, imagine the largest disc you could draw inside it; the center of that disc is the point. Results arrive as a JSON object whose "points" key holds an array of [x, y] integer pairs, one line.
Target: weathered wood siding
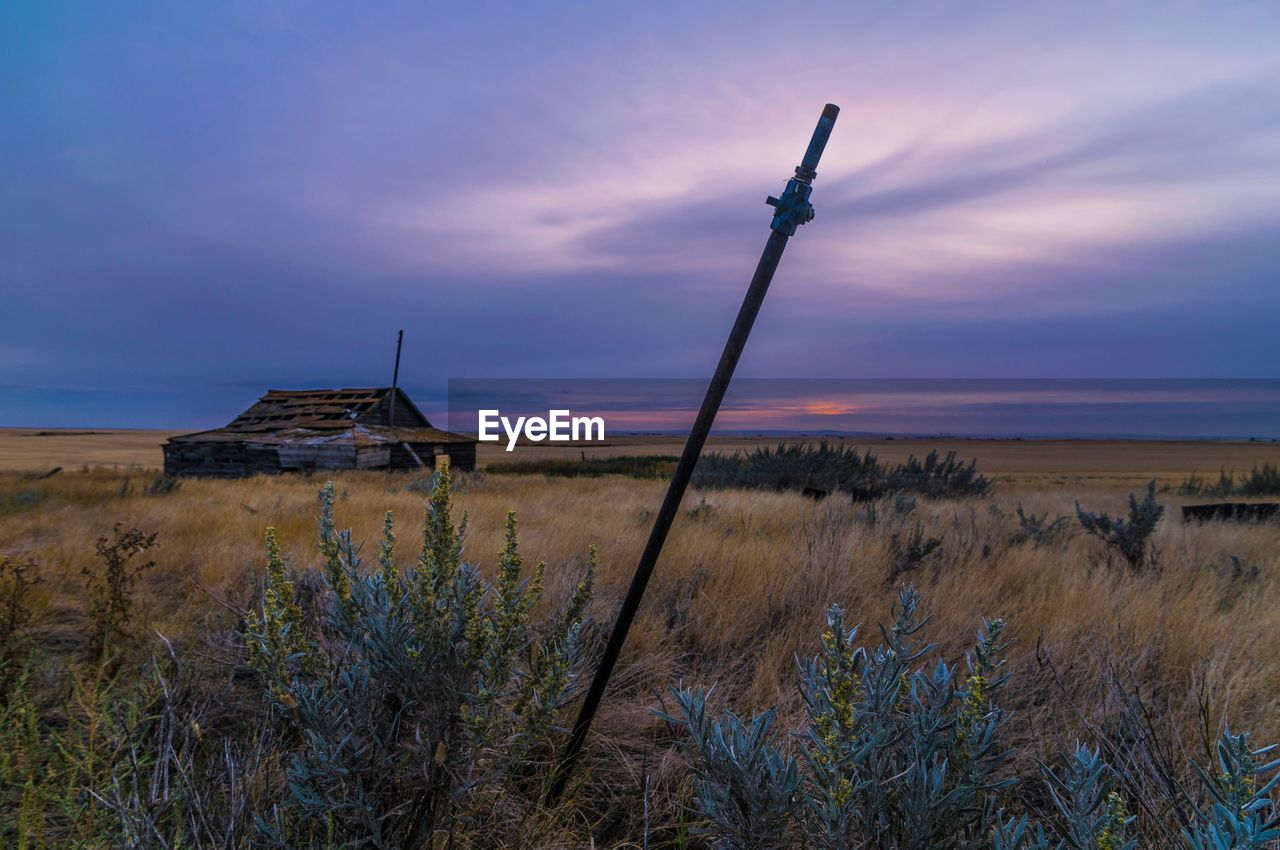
{"points": [[373, 457], [404, 415], [310, 457], [220, 460], [401, 458], [240, 459]]}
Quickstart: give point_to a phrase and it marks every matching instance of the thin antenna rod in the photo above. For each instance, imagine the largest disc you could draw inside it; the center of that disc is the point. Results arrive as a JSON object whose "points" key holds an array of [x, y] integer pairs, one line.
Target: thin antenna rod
{"points": [[395, 380], [790, 211]]}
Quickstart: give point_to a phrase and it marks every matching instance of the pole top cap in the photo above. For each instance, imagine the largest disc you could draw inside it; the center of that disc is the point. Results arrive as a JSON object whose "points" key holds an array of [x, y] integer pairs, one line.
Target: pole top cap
{"points": [[830, 111]]}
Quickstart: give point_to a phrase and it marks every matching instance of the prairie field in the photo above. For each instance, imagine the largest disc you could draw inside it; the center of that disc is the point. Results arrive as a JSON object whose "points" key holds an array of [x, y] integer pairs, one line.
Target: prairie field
{"points": [[35, 449], [742, 587]]}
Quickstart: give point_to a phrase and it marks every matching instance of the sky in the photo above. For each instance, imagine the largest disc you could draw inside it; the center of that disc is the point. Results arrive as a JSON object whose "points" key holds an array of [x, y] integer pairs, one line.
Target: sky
{"points": [[199, 202]]}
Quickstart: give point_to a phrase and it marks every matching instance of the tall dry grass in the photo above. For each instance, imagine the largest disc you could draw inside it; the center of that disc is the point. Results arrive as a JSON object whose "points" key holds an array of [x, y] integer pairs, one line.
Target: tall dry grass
{"points": [[741, 589]]}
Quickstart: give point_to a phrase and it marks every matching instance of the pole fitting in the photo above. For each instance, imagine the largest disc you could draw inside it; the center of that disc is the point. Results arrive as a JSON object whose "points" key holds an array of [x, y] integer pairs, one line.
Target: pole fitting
{"points": [[793, 208]]}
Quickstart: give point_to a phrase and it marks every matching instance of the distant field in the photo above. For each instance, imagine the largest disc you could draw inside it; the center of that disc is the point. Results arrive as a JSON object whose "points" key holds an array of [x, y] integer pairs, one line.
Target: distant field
{"points": [[36, 449], [72, 448]]}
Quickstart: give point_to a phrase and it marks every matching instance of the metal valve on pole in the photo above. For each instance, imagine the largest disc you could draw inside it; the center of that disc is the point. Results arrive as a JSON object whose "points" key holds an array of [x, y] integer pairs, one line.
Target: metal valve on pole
{"points": [[791, 210]]}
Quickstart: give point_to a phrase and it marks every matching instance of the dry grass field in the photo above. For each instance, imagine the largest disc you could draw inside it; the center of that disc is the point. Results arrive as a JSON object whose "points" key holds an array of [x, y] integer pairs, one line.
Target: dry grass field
{"points": [[73, 448], [745, 577], [1030, 460]]}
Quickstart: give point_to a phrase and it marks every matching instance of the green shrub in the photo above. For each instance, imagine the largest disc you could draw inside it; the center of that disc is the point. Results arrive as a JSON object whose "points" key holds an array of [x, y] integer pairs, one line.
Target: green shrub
{"points": [[112, 609], [790, 467], [828, 468], [743, 779], [1261, 481], [381, 709], [50, 767], [1241, 810], [1129, 536], [61, 725], [900, 751], [1090, 813], [938, 477], [910, 550], [18, 580], [1041, 530], [417, 704], [893, 754]]}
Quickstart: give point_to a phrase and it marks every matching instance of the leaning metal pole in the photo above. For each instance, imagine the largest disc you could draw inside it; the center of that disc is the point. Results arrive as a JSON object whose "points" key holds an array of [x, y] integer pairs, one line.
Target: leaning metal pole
{"points": [[790, 211]]}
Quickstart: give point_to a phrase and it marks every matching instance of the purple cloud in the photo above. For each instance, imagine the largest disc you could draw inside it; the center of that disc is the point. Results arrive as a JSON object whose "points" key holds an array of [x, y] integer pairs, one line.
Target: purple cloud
{"points": [[197, 203]]}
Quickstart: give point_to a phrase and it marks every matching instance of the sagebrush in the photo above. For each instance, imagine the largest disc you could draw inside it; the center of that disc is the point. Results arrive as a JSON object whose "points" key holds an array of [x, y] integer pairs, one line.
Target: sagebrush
{"points": [[1263, 480], [1130, 536], [361, 708], [901, 750], [827, 468]]}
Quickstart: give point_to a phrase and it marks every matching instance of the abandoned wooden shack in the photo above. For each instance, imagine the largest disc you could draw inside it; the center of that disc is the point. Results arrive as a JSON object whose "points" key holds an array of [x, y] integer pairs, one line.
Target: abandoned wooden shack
{"points": [[302, 430]]}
